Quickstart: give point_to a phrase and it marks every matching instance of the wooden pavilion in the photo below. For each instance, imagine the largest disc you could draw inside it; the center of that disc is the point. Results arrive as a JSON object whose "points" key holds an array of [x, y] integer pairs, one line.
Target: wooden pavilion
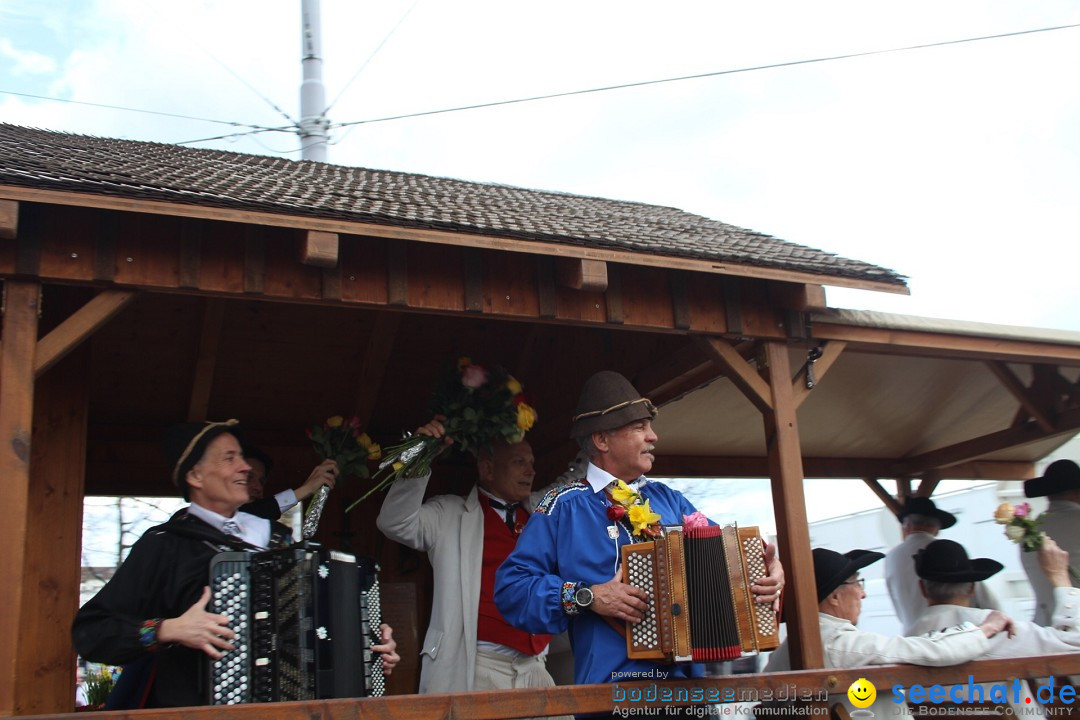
{"points": [[146, 284]]}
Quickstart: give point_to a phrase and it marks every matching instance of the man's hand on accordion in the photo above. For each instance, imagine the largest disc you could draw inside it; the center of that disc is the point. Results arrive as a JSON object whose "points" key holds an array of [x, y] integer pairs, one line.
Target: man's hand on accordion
{"points": [[388, 649], [619, 600], [198, 629], [769, 588]]}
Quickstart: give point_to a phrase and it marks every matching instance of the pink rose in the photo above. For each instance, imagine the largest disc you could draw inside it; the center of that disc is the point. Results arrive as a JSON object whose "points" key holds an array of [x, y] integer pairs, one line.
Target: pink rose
{"points": [[474, 376], [1022, 510], [695, 520]]}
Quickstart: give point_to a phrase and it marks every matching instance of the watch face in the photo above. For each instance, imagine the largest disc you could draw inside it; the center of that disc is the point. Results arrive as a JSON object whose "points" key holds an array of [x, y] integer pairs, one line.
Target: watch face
{"points": [[583, 597]]}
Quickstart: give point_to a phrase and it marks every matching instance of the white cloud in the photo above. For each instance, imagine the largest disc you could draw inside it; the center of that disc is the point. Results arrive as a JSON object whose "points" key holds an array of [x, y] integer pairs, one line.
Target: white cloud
{"points": [[27, 62]]}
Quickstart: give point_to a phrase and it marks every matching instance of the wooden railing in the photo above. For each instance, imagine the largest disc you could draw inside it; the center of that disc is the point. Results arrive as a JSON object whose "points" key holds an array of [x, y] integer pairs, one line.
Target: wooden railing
{"points": [[569, 700]]}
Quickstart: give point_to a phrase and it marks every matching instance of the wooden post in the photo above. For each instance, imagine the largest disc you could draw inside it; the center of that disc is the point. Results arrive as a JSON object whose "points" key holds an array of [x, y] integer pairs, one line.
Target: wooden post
{"points": [[20, 328], [789, 504], [53, 549]]}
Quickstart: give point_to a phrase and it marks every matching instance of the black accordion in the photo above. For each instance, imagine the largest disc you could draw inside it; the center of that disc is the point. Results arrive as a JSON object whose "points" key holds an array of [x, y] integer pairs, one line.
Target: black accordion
{"points": [[305, 620], [701, 608]]}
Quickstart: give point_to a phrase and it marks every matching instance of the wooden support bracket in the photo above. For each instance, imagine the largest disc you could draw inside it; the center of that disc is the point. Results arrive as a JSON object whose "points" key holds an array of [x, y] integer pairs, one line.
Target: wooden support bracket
{"points": [[581, 274], [319, 249]]}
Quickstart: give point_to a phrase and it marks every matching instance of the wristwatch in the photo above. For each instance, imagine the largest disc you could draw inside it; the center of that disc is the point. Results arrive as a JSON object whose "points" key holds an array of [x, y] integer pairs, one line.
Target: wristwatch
{"points": [[583, 596]]}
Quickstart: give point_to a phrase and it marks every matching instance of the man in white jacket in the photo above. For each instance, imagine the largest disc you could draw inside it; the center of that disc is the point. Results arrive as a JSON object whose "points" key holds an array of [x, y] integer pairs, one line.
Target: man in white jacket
{"points": [[947, 578], [468, 645], [1060, 484], [840, 595]]}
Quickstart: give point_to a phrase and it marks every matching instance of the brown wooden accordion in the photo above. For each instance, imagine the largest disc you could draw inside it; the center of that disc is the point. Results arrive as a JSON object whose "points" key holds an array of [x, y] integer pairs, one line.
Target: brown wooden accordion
{"points": [[701, 608]]}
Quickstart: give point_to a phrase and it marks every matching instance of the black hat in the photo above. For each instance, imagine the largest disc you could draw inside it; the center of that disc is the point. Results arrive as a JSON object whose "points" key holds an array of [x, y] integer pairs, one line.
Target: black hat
{"points": [[185, 444], [926, 507], [1060, 475], [607, 402], [947, 561], [831, 569]]}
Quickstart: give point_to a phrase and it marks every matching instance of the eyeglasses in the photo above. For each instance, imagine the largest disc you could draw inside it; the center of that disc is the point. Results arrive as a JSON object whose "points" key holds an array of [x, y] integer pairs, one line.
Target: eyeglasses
{"points": [[861, 582]]}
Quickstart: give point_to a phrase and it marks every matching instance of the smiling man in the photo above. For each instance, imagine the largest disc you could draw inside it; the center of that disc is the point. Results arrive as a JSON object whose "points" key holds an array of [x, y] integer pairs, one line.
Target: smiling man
{"points": [[564, 571], [151, 616]]}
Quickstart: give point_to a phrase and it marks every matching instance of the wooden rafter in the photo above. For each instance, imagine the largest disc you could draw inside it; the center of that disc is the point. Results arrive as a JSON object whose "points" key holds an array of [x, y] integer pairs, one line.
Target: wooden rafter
{"points": [[206, 361], [731, 466], [1016, 388], [741, 373], [9, 219], [829, 354], [888, 500], [83, 323], [677, 373], [976, 447]]}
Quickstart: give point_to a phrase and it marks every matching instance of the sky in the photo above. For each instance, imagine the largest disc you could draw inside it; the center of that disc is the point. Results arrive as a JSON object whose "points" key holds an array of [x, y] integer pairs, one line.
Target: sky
{"points": [[957, 166]]}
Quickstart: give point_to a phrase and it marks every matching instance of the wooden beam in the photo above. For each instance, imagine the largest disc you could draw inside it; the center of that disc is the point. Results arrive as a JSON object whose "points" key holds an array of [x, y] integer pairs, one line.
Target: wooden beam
{"points": [[373, 366], [582, 274], [9, 219], [443, 237], [945, 457], [206, 360], [789, 506], [888, 500], [676, 373], [53, 539], [739, 371], [319, 249], [893, 341], [20, 327], [929, 484], [802, 297], [83, 323], [829, 354], [1017, 390]]}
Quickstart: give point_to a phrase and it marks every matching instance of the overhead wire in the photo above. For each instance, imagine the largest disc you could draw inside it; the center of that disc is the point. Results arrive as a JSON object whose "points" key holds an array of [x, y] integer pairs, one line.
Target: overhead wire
{"points": [[644, 83]]}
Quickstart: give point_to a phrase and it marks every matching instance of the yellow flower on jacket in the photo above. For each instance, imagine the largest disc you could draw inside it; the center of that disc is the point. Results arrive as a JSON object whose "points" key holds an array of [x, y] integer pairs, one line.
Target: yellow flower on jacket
{"points": [[623, 493], [526, 416], [641, 517]]}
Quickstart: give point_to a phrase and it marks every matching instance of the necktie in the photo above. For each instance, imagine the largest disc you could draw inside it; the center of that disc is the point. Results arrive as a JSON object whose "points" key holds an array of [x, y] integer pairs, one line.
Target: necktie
{"points": [[231, 527], [509, 510]]}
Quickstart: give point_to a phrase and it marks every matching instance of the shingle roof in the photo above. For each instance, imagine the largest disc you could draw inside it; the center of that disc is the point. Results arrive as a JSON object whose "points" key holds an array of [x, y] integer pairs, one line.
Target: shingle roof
{"points": [[171, 173]]}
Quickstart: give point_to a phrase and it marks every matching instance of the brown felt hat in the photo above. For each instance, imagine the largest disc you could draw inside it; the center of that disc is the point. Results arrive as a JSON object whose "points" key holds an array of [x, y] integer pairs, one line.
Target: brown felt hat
{"points": [[607, 402]]}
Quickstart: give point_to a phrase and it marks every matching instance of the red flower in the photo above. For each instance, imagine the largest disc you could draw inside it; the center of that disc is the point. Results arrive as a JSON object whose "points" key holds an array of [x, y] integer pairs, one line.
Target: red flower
{"points": [[615, 513]]}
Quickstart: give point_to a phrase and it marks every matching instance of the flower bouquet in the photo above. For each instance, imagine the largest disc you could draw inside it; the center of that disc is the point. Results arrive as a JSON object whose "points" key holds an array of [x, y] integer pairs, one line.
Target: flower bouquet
{"points": [[1022, 529], [341, 441], [628, 506], [476, 405]]}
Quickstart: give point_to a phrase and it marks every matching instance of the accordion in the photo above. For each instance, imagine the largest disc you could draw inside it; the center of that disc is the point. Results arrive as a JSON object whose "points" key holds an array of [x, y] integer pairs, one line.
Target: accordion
{"points": [[701, 608], [305, 619]]}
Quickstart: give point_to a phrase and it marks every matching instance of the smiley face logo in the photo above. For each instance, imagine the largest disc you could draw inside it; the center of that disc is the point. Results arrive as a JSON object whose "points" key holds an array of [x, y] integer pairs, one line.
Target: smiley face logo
{"points": [[862, 693]]}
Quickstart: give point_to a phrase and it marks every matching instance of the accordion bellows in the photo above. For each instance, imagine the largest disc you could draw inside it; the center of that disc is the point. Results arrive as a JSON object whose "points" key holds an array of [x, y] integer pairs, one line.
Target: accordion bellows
{"points": [[701, 608], [305, 619]]}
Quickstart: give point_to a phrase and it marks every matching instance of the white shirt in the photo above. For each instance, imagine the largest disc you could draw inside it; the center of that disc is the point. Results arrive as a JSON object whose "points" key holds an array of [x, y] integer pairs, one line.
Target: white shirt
{"points": [[903, 583], [253, 529]]}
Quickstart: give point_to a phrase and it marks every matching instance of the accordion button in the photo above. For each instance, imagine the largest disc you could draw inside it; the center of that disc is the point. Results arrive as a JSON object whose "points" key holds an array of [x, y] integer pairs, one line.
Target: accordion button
{"points": [[676, 609]]}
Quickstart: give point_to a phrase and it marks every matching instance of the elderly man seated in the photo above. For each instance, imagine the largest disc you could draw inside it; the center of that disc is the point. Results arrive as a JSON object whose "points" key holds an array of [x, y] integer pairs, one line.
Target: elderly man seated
{"points": [[947, 577], [840, 594]]}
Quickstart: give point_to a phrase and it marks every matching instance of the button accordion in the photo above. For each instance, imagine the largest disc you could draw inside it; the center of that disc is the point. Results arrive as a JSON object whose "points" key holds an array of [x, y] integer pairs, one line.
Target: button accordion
{"points": [[305, 619], [701, 608]]}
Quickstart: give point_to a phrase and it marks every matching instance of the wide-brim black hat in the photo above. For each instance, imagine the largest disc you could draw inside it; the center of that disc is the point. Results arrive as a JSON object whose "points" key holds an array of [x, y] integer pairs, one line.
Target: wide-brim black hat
{"points": [[1060, 475], [925, 506], [947, 561], [607, 402], [832, 569], [185, 444]]}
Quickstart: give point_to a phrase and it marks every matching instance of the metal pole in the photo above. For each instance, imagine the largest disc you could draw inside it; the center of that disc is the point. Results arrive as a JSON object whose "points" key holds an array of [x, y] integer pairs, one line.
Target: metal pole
{"points": [[314, 126]]}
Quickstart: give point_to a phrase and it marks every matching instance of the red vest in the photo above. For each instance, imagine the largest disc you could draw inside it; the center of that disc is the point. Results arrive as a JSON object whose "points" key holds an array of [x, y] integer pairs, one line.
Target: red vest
{"points": [[499, 541]]}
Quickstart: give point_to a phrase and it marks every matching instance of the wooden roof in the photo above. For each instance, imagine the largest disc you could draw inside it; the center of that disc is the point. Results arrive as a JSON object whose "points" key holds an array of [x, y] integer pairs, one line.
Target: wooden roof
{"points": [[212, 178]]}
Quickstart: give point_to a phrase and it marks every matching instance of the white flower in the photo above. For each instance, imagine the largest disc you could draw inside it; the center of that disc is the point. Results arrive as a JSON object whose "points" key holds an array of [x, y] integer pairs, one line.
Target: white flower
{"points": [[1014, 533]]}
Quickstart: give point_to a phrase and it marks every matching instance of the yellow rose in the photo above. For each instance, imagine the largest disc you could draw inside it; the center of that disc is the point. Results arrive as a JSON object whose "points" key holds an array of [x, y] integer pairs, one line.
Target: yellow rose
{"points": [[622, 493], [513, 386], [1004, 514], [335, 421], [398, 465], [374, 452], [526, 416], [364, 440], [642, 517]]}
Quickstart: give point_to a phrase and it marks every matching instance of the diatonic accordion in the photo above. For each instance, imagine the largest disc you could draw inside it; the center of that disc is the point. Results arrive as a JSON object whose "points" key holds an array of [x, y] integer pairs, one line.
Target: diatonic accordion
{"points": [[305, 620], [701, 608]]}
